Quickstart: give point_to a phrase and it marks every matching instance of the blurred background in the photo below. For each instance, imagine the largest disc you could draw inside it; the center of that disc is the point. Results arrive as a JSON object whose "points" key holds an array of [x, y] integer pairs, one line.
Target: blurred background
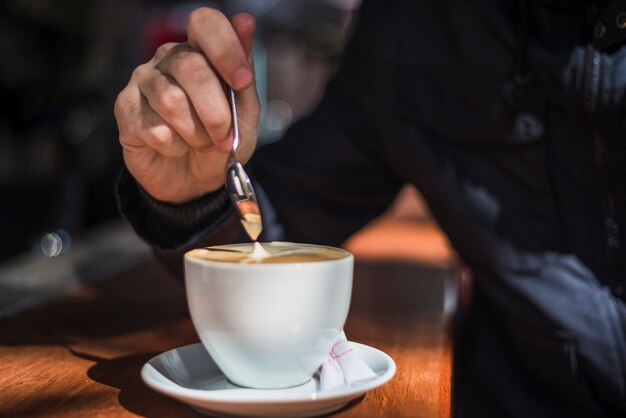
{"points": [[64, 63]]}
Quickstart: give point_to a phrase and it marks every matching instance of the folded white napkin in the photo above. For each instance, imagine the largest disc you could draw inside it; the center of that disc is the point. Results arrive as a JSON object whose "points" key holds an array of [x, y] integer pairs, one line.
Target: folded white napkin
{"points": [[343, 367]]}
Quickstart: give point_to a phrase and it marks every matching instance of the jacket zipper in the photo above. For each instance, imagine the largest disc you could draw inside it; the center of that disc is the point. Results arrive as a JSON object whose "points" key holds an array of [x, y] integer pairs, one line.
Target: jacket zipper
{"points": [[592, 82]]}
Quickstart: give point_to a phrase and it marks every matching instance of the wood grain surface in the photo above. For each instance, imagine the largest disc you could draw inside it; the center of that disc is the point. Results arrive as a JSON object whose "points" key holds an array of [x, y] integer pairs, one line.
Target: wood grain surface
{"points": [[80, 354]]}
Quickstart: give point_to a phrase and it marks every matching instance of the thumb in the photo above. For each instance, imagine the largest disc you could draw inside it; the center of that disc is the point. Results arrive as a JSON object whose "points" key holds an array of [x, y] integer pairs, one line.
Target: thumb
{"points": [[245, 25]]}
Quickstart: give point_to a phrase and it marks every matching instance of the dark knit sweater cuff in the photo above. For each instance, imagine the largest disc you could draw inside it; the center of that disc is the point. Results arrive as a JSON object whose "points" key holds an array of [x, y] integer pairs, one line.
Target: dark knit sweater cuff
{"points": [[188, 216], [166, 225]]}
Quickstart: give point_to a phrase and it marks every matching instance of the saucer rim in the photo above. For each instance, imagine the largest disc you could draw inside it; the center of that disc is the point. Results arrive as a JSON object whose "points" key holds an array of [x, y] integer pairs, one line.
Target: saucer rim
{"points": [[264, 396]]}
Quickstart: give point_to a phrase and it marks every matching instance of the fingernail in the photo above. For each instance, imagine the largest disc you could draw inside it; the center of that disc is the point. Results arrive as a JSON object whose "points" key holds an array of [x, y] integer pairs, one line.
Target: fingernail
{"points": [[242, 77]]}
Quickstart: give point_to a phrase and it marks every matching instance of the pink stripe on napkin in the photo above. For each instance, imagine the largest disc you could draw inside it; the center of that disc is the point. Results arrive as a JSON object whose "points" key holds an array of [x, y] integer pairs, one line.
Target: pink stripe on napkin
{"points": [[343, 367]]}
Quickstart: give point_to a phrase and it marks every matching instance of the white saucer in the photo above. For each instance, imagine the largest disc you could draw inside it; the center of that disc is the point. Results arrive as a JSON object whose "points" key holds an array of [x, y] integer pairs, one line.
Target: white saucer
{"points": [[190, 375]]}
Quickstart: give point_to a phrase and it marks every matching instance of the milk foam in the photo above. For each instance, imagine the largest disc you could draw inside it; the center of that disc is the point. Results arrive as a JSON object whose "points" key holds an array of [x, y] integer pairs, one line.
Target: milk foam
{"points": [[273, 252], [258, 252]]}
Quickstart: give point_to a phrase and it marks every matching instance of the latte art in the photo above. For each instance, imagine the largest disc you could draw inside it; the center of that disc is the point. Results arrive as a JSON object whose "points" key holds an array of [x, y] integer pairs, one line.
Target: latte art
{"points": [[269, 253]]}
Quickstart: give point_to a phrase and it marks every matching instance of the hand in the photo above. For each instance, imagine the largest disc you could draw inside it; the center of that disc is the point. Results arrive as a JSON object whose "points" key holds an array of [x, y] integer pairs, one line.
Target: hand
{"points": [[174, 118]]}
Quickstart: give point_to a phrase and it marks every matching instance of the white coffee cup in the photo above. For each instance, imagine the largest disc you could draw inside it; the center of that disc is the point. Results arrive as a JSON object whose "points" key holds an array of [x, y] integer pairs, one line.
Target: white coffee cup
{"points": [[268, 325]]}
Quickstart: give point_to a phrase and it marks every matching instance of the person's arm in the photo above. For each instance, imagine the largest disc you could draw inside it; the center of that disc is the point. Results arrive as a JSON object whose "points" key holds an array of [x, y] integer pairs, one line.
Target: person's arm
{"points": [[173, 229], [175, 130], [325, 179]]}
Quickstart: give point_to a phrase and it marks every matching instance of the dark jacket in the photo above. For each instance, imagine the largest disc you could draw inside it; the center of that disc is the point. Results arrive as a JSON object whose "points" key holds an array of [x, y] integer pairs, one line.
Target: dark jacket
{"points": [[509, 118]]}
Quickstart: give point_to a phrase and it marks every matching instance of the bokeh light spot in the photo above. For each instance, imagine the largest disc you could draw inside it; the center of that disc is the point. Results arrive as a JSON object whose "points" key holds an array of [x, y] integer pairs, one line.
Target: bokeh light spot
{"points": [[278, 115], [51, 244]]}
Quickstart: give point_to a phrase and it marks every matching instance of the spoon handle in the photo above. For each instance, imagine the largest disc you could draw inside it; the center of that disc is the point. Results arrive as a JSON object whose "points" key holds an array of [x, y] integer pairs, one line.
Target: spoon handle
{"points": [[233, 108]]}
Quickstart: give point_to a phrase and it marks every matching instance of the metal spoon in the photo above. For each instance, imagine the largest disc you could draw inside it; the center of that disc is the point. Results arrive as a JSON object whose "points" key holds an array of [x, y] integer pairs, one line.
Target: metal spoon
{"points": [[238, 183]]}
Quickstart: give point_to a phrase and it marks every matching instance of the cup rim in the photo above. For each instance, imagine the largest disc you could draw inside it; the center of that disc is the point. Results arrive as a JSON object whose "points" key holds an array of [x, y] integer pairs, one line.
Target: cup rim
{"points": [[231, 264]]}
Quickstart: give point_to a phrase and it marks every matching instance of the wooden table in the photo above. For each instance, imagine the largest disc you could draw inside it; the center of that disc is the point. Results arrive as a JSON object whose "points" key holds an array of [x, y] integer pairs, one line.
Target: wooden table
{"points": [[80, 354]]}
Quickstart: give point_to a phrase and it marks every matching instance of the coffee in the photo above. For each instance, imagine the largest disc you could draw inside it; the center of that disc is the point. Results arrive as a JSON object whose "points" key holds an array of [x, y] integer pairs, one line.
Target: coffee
{"points": [[270, 253]]}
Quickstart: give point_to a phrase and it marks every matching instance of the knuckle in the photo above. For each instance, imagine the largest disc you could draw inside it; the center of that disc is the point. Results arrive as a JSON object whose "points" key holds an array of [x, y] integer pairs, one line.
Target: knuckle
{"points": [[166, 143], [217, 118], [162, 50], [168, 98], [173, 98], [137, 128], [124, 105], [161, 137], [140, 72], [187, 62], [121, 102]]}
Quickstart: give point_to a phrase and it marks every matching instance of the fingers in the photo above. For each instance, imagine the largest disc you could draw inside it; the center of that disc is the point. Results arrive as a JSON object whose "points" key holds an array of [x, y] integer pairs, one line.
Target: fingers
{"points": [[177, 101], [172, 102], [204, 90], [140, 126], [244, 26], [217, 50], [211, 32], [159, 135]]}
